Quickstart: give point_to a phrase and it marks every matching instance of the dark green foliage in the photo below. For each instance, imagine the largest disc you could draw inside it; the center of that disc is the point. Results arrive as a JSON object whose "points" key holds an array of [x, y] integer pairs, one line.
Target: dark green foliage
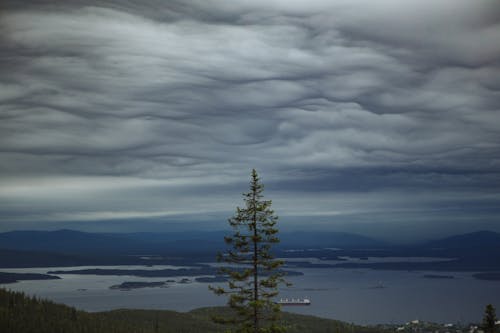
{"points": [[22, 314], [252, 287], [296, 323], [489, 320]]}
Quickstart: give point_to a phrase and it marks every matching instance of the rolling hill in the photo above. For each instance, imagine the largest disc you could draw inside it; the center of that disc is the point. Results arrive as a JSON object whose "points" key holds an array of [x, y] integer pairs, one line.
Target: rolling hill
{"points": [[22, 314]]}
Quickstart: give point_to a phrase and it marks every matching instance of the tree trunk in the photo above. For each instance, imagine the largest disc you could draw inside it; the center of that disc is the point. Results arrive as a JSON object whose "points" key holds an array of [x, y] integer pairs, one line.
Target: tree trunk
{"points": [[255, 275]]}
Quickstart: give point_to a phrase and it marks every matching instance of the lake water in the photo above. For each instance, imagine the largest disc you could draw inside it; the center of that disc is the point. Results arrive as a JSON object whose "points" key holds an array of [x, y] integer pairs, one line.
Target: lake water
{"points": [[361, 296]]}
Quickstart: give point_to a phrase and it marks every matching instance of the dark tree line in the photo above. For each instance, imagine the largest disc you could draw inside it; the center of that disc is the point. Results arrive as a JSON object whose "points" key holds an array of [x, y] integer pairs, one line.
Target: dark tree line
{"points": [[20, 313]]}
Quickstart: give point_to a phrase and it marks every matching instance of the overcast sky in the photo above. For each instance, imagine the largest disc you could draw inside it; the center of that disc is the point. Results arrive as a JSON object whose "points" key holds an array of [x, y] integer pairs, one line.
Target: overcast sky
{"points": [[367, 116]]}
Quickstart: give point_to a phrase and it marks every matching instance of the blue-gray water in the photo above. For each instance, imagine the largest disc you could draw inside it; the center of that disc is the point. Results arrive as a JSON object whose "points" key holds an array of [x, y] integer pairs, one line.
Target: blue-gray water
{"points": [[354, 295]]}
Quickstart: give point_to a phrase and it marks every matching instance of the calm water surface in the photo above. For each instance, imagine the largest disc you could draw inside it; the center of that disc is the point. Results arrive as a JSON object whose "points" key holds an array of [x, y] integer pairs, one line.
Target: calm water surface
{"points": [[355, 295]]}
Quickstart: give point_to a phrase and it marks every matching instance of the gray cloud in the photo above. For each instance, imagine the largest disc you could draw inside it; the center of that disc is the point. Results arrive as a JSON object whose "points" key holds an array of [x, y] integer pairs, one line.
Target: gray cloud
{"points": [[152, 109]]}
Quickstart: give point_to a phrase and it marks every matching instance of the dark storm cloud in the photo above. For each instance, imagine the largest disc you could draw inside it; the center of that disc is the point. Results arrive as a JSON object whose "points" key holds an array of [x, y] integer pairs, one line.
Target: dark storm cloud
{"points": [[163, 107]]}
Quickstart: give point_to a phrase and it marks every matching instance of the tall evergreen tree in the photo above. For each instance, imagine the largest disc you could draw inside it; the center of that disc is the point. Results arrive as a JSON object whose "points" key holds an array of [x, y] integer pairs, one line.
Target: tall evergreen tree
{"points": [[252, 270], [489, 320]]}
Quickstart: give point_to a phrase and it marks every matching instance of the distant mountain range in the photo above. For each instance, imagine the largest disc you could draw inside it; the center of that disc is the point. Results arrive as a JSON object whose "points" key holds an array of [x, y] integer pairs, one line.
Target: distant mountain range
{"points": [[77, 242], [63, 241], [75, 248], [481, 239]]}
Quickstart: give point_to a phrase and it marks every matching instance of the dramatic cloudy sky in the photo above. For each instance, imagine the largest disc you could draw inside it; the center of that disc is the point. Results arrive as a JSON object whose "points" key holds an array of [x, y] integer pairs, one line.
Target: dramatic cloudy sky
{"points": [[367, 116]]}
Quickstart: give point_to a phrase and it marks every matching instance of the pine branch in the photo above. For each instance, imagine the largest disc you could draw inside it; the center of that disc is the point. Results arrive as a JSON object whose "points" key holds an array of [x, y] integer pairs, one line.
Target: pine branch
{"points": [[253, 284]]}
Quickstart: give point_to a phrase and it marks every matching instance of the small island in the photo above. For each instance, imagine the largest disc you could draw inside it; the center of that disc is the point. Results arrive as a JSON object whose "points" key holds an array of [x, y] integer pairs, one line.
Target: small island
{"points": [[16, 277], [129, 285], [436, 276], [200, 270], [211, 279], [136, 285]]}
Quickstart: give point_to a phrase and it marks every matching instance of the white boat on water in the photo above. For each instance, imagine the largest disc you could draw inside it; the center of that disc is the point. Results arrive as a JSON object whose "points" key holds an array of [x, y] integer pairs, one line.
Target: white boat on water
{"points": [[294, 301]]}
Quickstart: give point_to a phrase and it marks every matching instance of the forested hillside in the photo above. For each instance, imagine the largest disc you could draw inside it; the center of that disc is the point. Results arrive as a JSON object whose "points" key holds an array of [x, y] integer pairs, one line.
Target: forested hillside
{"points": [[22, 314]]}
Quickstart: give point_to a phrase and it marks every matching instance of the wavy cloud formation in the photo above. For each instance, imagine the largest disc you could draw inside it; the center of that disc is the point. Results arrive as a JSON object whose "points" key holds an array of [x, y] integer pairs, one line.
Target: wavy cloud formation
{"points": [[154, 107]]}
